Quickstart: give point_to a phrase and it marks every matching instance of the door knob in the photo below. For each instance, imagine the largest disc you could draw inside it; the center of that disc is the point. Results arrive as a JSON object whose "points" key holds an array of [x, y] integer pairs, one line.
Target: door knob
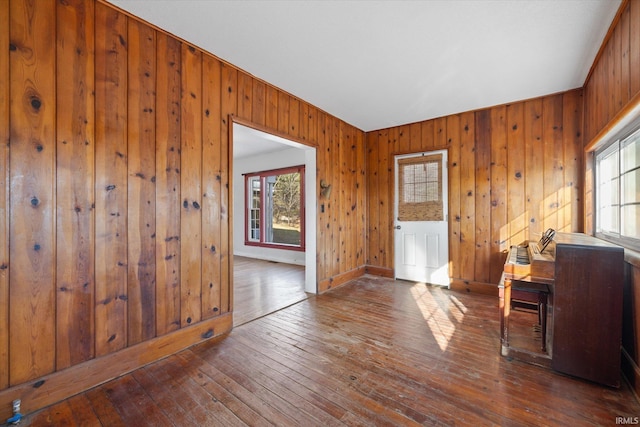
{"points": [[398, 227]]}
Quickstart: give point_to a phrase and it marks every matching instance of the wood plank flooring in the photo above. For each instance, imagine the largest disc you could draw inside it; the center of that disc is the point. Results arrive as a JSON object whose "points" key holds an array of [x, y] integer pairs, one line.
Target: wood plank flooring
{"points": [[262, 287], [374, 352]]}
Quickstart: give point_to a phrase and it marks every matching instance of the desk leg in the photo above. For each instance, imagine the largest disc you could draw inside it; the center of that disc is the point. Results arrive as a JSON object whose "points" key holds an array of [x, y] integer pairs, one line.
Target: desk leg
{"points": [[542, 310], [505, 309]]}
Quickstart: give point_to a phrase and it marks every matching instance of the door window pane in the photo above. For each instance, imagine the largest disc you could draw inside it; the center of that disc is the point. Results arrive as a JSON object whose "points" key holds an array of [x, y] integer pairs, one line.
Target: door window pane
{"points": [[420, 197]]}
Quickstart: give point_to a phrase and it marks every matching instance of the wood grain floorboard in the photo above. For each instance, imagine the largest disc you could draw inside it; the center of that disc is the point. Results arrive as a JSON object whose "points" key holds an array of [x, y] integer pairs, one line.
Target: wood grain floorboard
{"points": [[262, 287], [374, 352]]}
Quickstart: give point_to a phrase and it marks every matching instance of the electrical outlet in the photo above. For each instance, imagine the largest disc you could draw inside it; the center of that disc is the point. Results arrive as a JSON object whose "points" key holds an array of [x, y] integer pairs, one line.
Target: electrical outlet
{"points": [[16, 406]]}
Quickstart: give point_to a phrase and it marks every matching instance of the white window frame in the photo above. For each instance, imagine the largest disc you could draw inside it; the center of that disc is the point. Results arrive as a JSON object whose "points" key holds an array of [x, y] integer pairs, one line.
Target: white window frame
{"points": [[609, 209]]}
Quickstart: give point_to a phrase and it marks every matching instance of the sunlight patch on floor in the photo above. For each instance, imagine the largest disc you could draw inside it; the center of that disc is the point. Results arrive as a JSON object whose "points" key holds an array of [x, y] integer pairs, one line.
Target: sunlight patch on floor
{"points": [[457, 309], [442, 328]]}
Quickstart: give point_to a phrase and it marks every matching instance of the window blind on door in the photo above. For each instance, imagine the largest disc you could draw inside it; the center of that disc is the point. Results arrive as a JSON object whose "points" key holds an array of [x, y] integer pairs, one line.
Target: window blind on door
{"points": [[420, 189]]}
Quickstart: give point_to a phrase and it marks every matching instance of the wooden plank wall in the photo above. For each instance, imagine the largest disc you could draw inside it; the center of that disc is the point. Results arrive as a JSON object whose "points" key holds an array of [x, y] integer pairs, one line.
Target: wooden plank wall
{"points": [[611, 89], [613, 84], [4, 195], [614, 79], [114, 204], [514, 170]]}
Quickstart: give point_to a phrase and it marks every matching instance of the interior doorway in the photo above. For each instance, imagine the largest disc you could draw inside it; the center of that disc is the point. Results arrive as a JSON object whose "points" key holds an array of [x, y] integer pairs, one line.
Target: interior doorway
{"points": [[265, 277]]}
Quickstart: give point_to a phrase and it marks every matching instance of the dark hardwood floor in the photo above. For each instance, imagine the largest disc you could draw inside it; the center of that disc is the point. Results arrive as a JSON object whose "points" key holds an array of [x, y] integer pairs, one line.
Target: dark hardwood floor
{"points": [[262, 287], [372, 352]]}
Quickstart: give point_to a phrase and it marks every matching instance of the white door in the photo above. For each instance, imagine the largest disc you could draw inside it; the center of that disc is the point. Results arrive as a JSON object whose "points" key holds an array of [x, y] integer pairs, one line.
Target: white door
{"points": [[421, 235]]}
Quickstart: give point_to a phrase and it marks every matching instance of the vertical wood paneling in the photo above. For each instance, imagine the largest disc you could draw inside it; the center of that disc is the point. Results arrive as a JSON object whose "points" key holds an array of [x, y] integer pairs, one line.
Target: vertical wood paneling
{"points": [[589, 113], [340, 178], [617, 70], [610, 78], [427, 135], [373, 199], [573, 212], [352, 203], [415, 137], [483, 196], [322, 158], [167, 155], [228, 106], [553, 161], [190, 186], [352, 245], [615, 78], [603, 96], [439, 133], [111, 180], [373, 209], [403, 142], [625, 81], [620, 85], [245, 96], [334, 180], [4, 194], [294, 118], [343, 178], [134, 207], [258, 109], [141, 183], [385, 239], [455, 195], [467, 141], [271, 114], [332, 234], [361, 219], [32, 198], [600, 112], [534, 174], [516, 218], [304, 131], [328, 229], [119, 155], [75, 327], [314, 114], [211, 188], [283, 112], [634, 48], [512, 168], [498, 191]]}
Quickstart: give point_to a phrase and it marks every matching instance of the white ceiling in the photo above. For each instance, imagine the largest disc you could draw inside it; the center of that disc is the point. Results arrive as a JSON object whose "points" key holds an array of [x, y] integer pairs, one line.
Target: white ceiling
{"points": [[248, 142], [377, 64]]}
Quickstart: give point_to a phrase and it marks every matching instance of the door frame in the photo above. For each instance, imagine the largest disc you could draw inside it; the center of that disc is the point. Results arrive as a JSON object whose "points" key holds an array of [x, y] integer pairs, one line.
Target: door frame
{"points": [[311, 283], [445, 191]]}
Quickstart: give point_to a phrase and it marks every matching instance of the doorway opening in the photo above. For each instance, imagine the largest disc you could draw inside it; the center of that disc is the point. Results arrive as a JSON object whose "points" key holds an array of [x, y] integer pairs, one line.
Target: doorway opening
{"points": [[268, 277]]}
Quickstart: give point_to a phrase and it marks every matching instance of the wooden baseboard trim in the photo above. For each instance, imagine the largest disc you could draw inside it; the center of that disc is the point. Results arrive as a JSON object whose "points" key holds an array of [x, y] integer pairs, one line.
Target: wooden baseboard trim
{"points": [[61, 385], [379, 271], [475, 287], [340, 279]]}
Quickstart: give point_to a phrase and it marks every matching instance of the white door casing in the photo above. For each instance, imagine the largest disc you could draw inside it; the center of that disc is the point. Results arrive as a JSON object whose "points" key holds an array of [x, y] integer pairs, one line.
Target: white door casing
{"points": [[421, 247]]}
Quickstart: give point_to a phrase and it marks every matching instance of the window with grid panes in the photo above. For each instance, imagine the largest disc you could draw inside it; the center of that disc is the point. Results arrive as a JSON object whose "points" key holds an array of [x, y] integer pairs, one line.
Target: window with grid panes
{"points": [[275, 208], [617, 191]]}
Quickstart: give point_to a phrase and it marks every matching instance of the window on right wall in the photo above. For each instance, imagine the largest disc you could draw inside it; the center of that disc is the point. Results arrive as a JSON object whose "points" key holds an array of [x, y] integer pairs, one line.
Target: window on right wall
{"points": [[618, 191]]}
